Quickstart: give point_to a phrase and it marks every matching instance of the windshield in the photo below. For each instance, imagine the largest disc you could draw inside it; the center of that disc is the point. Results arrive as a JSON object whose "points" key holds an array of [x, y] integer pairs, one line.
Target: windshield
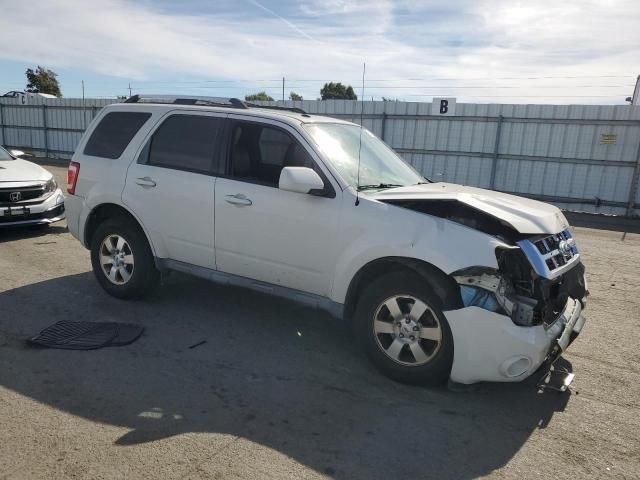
{"points": [[380, 167], [4, 155]]}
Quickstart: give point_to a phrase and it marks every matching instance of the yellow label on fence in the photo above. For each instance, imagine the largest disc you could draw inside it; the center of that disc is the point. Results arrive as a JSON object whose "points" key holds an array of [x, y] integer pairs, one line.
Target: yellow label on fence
{"points": [[608, 139]]}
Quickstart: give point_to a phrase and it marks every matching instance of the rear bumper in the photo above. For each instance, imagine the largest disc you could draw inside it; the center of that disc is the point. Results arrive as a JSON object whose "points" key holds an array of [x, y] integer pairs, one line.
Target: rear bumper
{"points": [[75, 207], [50, 211], [489, 347]]}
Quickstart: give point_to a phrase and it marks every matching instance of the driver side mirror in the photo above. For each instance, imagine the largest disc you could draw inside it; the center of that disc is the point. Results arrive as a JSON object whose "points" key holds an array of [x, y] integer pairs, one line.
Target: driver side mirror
{"points": [[300, 180], [17, 153]]}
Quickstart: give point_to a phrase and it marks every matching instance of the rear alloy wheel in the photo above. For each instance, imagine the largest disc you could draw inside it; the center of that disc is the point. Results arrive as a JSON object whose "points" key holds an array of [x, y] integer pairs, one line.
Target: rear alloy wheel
{"points": [[400, 324], [122, 259], [116, 259]]}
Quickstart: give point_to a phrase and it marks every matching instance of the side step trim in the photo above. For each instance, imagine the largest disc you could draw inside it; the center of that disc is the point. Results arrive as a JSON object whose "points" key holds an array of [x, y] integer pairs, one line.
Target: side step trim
{"points": [[309, 299]]}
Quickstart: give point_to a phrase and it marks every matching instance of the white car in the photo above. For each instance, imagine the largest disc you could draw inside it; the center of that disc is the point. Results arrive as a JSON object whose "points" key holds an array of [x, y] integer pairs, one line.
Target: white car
{"points": [[440, 281], [29, 194]]}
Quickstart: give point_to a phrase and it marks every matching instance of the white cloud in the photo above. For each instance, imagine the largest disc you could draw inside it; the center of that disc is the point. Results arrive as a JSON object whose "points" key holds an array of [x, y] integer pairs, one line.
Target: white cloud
{"points": [[329, 39]]}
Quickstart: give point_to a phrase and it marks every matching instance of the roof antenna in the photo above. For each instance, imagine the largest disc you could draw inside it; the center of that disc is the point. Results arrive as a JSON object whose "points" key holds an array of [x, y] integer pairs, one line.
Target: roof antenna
{"points": [[364, 69]]}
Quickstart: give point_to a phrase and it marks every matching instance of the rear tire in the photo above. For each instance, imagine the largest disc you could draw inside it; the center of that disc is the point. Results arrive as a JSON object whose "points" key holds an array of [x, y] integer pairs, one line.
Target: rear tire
{"points": [[400, 325], [122, 260]]}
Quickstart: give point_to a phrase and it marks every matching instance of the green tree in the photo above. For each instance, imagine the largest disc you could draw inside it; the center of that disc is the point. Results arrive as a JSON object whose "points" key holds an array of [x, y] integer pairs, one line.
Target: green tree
{"points": [[294, 96], [43, 80], [337, 91], [260, 96]]}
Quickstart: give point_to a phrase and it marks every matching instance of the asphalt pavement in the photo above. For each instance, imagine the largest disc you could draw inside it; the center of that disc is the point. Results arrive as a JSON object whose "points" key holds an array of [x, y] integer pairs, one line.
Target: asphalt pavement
{"points": [[278, 390]]}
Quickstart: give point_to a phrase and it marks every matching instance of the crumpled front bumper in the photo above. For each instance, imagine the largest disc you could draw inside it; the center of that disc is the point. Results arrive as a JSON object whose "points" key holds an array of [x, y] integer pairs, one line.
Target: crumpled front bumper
{"points": [[50, 210], [488, 346]]}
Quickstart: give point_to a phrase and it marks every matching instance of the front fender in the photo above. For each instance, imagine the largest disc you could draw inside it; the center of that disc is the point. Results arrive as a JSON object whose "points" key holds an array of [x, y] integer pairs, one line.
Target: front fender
{"points": [[377, 230]]}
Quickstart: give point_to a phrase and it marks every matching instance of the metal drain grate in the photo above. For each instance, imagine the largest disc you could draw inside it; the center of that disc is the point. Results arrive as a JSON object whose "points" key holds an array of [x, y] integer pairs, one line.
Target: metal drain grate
{"points": [[87, 335]]}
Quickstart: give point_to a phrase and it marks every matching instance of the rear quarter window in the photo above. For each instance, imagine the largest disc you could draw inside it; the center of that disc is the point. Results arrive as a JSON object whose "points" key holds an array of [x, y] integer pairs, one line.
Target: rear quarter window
{"points": [[114, 132]]}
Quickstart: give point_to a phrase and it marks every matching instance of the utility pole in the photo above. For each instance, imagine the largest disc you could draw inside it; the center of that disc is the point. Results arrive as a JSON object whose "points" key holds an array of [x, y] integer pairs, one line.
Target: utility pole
{"points": [[283, 89], [129, 88], [84, 108]]}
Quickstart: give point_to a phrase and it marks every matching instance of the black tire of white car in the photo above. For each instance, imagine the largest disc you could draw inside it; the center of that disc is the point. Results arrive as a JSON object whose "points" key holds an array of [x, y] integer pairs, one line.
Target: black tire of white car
{"points": [[404, 284], [144, 275]]}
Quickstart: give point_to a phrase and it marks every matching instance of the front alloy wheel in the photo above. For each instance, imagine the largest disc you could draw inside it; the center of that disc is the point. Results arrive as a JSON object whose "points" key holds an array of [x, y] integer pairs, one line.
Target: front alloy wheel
{"points": [[407, 330], [400, 323]]}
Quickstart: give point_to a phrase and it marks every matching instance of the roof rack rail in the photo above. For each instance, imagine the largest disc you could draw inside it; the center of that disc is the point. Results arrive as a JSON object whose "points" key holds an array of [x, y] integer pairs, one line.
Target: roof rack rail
{"points": [[277, 107], [208, 101], [183, 100]]}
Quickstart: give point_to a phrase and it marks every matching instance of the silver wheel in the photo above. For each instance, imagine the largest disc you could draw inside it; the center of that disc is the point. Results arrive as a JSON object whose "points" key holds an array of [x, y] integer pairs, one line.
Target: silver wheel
{"points": [[116, 259], [407, 330]]}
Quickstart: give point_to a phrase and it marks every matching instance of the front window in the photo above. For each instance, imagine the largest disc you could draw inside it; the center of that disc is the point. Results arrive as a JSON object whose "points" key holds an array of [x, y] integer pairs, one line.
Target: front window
{"points": [[260, 152], [380, 167]]}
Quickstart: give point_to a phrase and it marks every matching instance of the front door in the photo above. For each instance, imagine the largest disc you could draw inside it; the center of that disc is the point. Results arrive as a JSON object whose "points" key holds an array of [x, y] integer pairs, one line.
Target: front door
{"points": [[268, 234], [171, 186]]}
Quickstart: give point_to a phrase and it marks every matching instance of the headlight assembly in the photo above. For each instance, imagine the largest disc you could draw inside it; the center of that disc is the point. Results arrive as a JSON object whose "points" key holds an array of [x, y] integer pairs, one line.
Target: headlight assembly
{"points": [[489, 289], [51, 186]]}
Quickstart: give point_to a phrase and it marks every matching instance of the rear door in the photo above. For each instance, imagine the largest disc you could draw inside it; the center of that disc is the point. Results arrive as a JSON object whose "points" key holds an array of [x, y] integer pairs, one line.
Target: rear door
{"points": [[170, 186]]}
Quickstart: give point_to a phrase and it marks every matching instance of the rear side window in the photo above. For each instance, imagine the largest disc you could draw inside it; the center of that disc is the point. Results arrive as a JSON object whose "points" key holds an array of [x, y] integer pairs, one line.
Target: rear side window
{"points": [[114, 132], [186, 142]]}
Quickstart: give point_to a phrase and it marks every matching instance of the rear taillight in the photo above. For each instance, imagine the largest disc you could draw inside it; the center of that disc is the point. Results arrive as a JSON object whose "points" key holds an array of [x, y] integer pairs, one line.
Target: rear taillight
{"points": [[72, 177]]}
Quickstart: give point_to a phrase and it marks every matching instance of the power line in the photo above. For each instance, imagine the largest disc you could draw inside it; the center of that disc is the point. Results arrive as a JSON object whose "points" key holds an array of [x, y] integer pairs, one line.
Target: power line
{"points": [[253, 80], [528, 96], [429, 86]]}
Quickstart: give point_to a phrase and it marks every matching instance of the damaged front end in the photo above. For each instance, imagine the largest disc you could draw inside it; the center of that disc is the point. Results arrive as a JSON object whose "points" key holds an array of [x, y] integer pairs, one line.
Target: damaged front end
{"points": [[540, 286], [522, 311], [533, 282]]}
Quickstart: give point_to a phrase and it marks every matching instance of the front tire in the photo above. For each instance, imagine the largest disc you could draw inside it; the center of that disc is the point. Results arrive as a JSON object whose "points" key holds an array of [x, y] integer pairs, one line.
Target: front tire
{"points": [[122, 260], [400, 325]]}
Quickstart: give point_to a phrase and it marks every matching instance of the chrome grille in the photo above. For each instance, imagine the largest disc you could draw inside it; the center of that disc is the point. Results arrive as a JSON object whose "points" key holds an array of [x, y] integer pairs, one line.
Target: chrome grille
{"points": [[27, 193], [551, 255]]}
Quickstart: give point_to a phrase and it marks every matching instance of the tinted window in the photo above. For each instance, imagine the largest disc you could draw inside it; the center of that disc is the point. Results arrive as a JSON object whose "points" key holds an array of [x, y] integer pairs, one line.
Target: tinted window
{"points": [[114, 132], [186, 142], [273, 146], [258, 153]]}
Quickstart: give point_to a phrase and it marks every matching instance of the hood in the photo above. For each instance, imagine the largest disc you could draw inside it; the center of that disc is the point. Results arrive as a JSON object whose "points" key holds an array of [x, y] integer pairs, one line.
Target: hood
{"points": [[522, 214], [16, 172]]}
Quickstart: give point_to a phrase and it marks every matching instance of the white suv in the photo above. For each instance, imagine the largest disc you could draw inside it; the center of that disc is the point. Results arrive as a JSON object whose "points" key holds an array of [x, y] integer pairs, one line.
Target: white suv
{"points": [[441, 281]]}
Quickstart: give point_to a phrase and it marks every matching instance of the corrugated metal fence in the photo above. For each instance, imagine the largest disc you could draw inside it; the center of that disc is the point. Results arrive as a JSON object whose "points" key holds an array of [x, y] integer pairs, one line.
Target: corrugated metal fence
{"points": [[50, 128], [583, 158]]}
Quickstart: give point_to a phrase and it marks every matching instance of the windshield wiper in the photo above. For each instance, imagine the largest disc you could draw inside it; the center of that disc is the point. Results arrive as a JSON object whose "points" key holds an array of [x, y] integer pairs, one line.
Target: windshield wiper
{"points": [[378, 186]]}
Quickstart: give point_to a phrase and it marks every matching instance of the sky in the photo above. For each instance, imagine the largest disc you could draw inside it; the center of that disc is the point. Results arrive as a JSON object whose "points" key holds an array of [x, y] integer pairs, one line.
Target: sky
{"points": [[484, 51]]}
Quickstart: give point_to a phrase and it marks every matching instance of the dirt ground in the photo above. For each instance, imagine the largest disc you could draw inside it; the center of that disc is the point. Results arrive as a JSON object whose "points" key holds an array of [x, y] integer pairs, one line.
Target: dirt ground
{"points": [[279, 391]]}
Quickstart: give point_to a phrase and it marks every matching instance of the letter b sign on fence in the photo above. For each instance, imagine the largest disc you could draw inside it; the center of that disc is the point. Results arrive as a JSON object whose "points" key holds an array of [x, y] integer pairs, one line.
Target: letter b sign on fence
{"points": [[443, 106]]}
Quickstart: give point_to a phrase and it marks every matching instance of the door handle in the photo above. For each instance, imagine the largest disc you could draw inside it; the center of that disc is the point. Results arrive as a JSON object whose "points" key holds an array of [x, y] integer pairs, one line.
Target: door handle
{"points": [[239, 199], [145, 182]]}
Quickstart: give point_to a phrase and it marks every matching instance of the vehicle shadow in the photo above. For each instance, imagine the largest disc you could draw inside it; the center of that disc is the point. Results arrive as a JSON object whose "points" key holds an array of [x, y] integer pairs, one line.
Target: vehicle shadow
{"points": [[8, 234], [270, 371]]}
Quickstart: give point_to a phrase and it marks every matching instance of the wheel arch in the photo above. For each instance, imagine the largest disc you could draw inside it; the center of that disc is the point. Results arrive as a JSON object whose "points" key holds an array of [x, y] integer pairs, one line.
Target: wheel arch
{"points": [[104, 211], [444, 286]]}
